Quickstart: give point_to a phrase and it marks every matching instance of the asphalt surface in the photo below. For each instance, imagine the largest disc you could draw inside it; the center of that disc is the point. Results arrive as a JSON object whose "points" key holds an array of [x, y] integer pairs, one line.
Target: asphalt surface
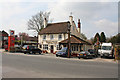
{"points": [[41, 66]]}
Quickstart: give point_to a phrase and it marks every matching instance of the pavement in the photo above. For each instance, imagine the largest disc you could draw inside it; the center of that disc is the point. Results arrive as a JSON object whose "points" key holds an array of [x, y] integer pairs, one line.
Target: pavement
{"points": [[50, 55], [0, 64]]}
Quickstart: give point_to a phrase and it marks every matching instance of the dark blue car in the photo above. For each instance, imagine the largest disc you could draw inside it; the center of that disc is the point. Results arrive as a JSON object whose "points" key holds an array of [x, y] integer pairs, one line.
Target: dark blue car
{"points": [[63, 52]]}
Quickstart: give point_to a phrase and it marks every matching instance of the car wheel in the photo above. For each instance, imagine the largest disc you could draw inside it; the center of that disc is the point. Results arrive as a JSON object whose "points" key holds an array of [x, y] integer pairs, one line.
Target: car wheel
{"points": [[78, 57], [93, 56], [85, 57], [24, 52], [39, 52], [56, 55], [31, 52], [96, 56]]}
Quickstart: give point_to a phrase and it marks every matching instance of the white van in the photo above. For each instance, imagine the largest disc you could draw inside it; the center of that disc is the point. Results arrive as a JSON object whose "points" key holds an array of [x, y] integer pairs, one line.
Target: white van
{"points": [[106, 50]]}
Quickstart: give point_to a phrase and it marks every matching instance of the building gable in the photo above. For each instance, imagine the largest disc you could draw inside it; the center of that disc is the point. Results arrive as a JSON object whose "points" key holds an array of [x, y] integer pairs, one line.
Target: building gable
{"points": [[74, 30]]}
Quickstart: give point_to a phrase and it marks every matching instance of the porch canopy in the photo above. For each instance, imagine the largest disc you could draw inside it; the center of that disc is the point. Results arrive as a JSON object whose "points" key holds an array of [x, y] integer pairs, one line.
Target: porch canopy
{"points": [[74, 40]]}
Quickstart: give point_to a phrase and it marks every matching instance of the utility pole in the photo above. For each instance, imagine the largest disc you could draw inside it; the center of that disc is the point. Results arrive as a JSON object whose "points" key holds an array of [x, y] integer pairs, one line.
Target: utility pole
{"points": [[21, 39], [69, 53]]}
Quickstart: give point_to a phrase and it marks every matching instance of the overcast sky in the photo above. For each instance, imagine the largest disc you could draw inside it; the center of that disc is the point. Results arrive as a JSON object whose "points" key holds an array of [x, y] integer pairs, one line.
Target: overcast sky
{"points": [[96, 16]]}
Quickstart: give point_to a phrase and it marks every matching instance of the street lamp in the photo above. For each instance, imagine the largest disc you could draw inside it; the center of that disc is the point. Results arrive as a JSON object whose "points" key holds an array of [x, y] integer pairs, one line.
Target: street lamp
{"points": [[21, 39], [69, 26]]}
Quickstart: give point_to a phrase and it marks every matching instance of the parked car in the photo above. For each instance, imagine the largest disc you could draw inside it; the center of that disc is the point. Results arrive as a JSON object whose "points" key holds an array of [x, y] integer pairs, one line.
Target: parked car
{"points": [[92, 52], [17, 48], [63, 52], [74, 54], [106, 50], [31, 49], [6, 47], [84, 54]]}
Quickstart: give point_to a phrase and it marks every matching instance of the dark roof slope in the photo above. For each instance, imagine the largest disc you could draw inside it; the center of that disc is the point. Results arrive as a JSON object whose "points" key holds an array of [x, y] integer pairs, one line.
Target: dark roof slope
{"points": [[33, 38], [4, 33], [75, 40], [0, 33], [55, 28]]}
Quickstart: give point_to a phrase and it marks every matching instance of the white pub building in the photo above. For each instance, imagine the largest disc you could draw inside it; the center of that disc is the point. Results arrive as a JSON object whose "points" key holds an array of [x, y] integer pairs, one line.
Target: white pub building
{"points": [[55, 35]]}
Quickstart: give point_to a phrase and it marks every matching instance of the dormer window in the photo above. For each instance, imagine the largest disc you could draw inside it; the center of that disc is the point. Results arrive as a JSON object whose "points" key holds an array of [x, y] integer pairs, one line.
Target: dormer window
{"points": [[59, 37], [44, 37], [51, 37]]}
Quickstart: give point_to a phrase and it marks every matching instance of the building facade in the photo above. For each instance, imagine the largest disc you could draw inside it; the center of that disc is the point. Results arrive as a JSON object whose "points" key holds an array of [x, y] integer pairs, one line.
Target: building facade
{"points": [[51, 37], [4, 38]]}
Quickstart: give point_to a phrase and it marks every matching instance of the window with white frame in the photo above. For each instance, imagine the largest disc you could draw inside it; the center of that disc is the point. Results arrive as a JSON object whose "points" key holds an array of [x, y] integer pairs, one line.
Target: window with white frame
{"points": [[74, 48], [58, 47], [44, 37], [40, 46], [51, 37], [59, 37], [45, 47]]}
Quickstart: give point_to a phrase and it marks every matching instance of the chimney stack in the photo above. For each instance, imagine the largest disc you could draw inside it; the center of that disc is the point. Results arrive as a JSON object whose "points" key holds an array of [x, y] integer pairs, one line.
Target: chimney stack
{"points": [[71, 20], [45, 22], [79, 26]]}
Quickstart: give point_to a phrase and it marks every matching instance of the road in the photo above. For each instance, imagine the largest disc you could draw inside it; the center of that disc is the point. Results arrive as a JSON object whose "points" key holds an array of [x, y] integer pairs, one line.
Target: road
{"points": [[41, 66]]}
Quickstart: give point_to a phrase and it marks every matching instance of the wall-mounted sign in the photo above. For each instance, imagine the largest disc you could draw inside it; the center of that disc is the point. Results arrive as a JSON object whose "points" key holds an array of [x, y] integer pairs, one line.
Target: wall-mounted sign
{"points": [[51, 42], [12, 32]]}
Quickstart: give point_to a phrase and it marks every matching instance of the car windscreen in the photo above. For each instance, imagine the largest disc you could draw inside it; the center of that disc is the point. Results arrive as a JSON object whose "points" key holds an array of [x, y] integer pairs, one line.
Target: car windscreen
{"points": [[106, 47], [91, 51], [25, 46], [35, 47], [15, 45], [82, 52], [63, 50]]}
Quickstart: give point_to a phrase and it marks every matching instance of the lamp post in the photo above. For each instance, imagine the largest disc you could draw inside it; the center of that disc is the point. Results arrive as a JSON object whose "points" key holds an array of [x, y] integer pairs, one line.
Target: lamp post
{"points": [[21, 39], [69, 26]]}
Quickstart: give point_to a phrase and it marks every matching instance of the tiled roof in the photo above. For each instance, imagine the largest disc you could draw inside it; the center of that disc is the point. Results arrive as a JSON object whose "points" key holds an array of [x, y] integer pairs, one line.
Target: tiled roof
{"points": [[55, 28], [75, 40]]}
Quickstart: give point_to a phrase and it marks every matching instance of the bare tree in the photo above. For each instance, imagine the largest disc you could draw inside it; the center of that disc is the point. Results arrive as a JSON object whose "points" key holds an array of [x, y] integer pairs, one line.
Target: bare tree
{"points": [[83, 36], [36, 22], [25, 36]]}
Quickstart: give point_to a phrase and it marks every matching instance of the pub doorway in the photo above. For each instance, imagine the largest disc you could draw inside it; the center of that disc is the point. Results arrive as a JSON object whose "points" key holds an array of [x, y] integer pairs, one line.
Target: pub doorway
{"points": [[52, 48]]}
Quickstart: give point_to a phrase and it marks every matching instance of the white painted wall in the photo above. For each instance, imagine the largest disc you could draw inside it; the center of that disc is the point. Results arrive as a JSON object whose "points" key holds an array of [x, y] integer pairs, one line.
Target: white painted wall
{"points": [[50, 42]]}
